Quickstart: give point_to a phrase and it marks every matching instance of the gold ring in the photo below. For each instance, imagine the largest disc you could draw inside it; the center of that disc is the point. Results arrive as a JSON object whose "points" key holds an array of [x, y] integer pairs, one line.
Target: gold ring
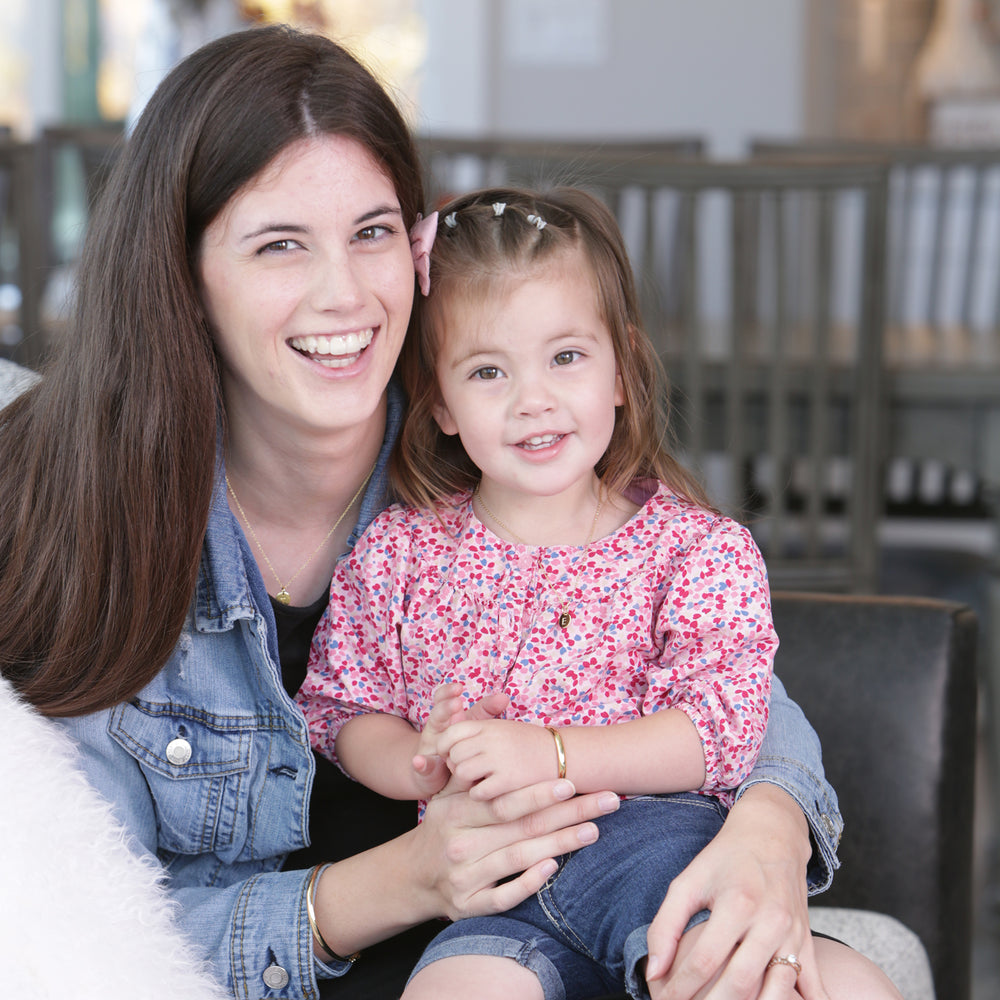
{"points": [[792, 961]]}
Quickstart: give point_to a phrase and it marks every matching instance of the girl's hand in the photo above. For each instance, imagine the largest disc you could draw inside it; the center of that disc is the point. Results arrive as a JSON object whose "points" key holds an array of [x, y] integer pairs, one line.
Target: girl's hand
{"points": [[752, 877], [496, 756], [430, 768]]}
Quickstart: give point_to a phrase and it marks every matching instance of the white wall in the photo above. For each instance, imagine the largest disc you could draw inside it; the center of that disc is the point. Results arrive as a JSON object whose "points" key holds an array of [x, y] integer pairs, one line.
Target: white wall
{"points": [[724, 69]]}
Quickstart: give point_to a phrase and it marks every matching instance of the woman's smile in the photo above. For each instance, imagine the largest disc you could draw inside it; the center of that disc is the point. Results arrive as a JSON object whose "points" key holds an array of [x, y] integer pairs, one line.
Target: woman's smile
{"points": [[337, 351]]}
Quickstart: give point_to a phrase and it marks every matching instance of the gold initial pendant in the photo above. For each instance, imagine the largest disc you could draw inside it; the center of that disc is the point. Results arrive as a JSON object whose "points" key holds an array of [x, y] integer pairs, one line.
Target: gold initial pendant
{"points": [[283, 597], [564, 619]]}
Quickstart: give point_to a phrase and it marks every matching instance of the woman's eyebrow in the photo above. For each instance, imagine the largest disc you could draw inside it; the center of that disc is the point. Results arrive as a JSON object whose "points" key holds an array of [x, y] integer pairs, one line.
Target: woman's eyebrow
{"points": [[274, 227], [294, 227], [377, 212]]}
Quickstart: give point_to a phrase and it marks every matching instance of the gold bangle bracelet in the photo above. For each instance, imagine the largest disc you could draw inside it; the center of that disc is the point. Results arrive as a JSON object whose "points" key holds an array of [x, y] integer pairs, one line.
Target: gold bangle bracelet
{"points": [[311, 913], [560, 750]]}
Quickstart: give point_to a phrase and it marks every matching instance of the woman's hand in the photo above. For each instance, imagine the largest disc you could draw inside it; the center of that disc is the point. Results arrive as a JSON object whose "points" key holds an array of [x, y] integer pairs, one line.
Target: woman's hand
{"points": [[467, 847], [752, 877]]}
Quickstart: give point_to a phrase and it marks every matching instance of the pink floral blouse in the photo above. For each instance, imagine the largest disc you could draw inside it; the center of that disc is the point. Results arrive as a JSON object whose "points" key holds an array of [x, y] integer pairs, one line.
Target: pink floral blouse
{"points": [[671, 610]]}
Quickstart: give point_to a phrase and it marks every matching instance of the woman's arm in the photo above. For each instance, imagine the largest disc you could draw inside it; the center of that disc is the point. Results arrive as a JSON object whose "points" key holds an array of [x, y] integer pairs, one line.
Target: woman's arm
{"points": [[245, 917], [781, 834], [452, 864]]}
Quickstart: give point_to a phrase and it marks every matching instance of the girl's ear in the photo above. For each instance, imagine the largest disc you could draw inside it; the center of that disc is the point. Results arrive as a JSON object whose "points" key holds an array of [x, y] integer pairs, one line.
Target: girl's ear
{"points": [[619, 388], [444, 418]]}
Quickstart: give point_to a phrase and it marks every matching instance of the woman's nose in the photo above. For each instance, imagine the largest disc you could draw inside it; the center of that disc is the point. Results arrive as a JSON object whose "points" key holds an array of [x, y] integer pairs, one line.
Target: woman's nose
{"points": [[337, 285]]}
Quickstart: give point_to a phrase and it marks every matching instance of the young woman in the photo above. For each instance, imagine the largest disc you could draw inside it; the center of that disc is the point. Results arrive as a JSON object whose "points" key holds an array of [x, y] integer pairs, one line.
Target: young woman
{"points": [[244, 291]]}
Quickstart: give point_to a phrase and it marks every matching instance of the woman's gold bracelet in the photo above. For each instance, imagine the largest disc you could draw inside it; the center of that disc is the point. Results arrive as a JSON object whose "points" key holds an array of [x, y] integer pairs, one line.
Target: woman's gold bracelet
{"points": [[311, 913], [560, 750]]}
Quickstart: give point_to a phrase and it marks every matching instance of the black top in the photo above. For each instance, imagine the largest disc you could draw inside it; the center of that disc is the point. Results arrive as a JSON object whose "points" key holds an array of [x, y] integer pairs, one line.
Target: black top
{"points": [[345, 818]]}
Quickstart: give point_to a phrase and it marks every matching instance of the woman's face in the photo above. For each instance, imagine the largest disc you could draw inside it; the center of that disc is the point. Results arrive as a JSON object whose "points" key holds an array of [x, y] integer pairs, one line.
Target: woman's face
{"points": [[307, 280]]}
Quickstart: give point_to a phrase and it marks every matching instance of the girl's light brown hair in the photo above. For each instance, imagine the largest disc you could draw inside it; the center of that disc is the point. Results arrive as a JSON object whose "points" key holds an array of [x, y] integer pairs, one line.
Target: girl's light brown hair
{"points": [[479, 248]]}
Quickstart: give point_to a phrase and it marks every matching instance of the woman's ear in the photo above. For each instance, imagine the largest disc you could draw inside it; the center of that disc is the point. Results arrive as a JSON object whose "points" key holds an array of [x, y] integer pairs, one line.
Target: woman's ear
{"points": [[444, 418]]}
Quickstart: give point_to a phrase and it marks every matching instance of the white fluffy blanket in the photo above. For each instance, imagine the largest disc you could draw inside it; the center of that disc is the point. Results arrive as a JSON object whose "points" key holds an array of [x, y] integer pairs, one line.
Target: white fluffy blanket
{"points": [[80, 915]]}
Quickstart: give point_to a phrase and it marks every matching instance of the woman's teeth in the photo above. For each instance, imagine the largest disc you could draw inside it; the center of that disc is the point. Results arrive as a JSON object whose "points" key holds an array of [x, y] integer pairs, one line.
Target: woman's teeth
{"points": [[334, 352], [541, 441]]}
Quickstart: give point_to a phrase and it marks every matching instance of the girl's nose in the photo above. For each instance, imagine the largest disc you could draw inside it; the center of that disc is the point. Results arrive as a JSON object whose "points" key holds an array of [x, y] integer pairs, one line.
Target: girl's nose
{"points": [[534, 397]]}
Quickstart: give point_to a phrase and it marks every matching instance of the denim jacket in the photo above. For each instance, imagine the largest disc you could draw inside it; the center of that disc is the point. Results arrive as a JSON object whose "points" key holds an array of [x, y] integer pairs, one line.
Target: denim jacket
{"points": [[209, 768]]}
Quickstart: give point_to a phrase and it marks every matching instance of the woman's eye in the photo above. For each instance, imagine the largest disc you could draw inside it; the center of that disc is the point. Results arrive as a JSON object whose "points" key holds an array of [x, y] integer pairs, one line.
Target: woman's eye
{"points": [[486, 373], [280, 246], [566, 357], [373, 232]]}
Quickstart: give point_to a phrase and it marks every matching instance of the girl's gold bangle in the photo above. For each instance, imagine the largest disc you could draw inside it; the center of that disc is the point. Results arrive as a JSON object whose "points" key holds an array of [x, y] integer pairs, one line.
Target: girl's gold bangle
{"points": [[560, 750]]}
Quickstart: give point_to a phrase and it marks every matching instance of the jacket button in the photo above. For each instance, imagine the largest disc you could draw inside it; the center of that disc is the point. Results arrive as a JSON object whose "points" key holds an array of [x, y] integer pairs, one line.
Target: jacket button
{"points": [[275, 977], [178, 751]]}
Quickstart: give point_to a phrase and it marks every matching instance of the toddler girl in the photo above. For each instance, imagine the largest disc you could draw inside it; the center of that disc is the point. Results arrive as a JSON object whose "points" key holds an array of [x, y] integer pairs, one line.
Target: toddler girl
{"points": [[551, 551]]}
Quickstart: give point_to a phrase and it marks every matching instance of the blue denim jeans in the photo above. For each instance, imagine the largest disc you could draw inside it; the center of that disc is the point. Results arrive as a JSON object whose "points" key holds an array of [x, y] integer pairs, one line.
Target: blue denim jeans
{"points": [[583, 933]]}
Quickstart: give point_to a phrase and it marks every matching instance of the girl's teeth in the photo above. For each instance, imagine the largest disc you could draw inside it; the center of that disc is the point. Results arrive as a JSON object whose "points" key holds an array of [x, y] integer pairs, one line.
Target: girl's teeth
{"points": [[541, 442], [333, 352]]}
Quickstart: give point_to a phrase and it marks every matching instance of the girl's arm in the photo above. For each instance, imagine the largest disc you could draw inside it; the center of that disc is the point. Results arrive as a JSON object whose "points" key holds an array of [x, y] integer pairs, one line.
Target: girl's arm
{"points": [[388, 755], [378, 750], [658, 753], [705, 707]]}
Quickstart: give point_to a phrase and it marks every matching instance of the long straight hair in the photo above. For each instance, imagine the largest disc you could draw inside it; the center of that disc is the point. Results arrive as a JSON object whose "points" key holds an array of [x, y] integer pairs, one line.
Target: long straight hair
{"points": [[109, 462], [479, 249]]}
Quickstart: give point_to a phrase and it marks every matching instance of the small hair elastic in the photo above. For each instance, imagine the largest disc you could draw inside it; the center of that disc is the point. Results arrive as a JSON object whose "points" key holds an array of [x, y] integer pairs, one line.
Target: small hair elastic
{"points": [[537, 221], [498, 207], [450, 221]]}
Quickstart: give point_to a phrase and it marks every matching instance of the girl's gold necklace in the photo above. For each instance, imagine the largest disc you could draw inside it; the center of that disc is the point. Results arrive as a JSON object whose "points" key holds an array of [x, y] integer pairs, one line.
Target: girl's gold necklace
{"points": [[282, 596], [564, 614]]}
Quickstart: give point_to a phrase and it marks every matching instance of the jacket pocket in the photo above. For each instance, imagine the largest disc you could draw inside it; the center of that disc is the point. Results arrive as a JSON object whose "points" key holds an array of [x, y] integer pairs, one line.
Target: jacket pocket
{"points": [[197, 767]]}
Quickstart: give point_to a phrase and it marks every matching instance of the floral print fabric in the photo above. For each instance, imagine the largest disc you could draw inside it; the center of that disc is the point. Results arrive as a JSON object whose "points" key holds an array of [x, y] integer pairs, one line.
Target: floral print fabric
{"points": [[670, 610]]}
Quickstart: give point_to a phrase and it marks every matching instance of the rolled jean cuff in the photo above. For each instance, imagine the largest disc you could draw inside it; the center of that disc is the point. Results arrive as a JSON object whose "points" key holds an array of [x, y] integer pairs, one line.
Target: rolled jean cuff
{"points": [[523, 952], [637, 948]]}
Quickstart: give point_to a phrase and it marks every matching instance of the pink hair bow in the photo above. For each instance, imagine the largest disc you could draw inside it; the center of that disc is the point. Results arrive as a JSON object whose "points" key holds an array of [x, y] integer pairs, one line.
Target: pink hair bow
{"points": [[422, 236]]}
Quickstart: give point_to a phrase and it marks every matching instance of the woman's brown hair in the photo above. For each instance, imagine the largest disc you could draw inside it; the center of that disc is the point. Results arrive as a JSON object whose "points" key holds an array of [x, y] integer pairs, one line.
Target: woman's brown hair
{"points": [[109, 462], [479, 248]]}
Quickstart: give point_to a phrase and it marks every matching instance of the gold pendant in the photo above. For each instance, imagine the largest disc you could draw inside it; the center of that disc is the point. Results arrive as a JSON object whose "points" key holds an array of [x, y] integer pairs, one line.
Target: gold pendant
{"points": [[283, 597], [564, 619]]}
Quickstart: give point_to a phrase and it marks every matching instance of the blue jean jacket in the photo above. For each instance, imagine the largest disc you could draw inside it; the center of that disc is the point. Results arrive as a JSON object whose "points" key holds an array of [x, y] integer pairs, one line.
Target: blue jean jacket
{"points": [[210, 770]]}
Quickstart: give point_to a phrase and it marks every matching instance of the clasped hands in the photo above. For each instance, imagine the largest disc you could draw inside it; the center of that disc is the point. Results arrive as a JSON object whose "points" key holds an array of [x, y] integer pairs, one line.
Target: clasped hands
{"points": [[493, 756]]}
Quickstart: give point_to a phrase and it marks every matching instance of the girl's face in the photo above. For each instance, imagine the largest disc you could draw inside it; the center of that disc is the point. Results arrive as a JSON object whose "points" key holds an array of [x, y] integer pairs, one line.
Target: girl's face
{"points": [[307, 280], [528, 381]]}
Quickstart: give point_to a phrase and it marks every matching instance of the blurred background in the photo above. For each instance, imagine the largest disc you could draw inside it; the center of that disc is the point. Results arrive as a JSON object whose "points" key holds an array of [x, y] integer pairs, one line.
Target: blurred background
{"points": [[629, 94]]}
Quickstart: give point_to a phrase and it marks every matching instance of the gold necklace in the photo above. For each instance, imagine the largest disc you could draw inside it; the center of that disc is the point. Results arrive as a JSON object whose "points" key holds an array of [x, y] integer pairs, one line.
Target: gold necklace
{"points": [[564, 614], [282, 595]]}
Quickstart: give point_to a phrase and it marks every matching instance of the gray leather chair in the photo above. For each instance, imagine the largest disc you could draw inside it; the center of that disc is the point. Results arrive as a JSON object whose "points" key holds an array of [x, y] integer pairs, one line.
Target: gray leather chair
{"points": [[889, 683]]}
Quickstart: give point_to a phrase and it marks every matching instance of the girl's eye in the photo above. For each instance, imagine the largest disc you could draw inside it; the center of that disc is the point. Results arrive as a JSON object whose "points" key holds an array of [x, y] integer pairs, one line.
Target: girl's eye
{"points": [[487, 373], [566, 357]]}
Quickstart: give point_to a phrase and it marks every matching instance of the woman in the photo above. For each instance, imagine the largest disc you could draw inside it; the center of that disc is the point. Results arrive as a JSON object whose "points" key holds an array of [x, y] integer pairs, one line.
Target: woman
{"points": [[212, 436]]}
